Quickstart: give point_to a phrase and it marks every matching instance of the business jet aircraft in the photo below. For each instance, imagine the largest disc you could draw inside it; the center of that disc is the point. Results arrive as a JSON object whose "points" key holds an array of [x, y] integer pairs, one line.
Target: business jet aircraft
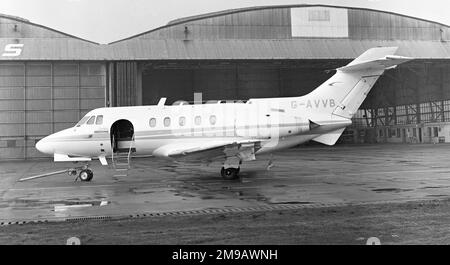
{"points": [[228, 132]]}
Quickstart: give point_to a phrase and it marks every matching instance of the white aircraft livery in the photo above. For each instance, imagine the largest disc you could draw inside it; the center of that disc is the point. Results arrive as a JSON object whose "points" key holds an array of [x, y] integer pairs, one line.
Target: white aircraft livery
{"points": [[231, 133]]}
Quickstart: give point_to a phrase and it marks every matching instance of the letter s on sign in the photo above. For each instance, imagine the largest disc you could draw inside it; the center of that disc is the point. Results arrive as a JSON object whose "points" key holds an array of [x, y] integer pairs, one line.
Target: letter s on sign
{"points": [[12, 50]]}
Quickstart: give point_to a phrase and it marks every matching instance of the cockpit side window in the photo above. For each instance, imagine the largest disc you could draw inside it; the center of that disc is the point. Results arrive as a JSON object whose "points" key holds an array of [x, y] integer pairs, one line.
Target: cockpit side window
{"points": [[99, 120], [82, 121], [91, 120]]}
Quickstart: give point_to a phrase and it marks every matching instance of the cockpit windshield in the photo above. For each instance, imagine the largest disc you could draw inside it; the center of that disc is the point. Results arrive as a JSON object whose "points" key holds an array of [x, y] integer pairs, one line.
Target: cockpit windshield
{"points": [[82, 121], [91, 120]]}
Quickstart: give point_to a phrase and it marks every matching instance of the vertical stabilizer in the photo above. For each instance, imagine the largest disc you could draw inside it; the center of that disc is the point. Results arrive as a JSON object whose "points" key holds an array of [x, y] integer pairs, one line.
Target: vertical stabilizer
{"points": [[351, 83]]}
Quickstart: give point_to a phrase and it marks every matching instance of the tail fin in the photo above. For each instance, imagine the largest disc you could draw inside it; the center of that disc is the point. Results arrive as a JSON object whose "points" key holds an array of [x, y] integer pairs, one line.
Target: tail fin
{"points": [[351, 83]]}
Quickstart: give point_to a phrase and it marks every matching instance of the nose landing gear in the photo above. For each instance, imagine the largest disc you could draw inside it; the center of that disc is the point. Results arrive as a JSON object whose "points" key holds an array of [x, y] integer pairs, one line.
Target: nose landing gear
{"points": [[86, 174]]}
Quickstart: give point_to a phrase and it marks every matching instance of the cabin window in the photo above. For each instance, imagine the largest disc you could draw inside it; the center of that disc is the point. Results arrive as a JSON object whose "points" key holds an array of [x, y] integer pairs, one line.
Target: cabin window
{"points": [[166, 122], [91, 120], [212, 119], [82, 121], [198, 120], [182, 121], [152, 122], [99, 120]]}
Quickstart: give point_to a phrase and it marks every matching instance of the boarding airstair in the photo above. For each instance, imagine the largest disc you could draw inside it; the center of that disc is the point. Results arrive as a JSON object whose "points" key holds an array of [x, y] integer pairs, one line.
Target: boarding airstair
{"points": [[121, 157]]}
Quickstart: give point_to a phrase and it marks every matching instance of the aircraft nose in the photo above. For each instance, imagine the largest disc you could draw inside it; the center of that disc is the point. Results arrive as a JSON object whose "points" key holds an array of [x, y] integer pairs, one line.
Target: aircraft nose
{"points": [[43, 146]]}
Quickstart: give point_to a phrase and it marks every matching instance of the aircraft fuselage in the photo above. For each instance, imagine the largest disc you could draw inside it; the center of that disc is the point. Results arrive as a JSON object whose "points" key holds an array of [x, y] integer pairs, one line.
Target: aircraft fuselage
{"points": [[277, 122]]}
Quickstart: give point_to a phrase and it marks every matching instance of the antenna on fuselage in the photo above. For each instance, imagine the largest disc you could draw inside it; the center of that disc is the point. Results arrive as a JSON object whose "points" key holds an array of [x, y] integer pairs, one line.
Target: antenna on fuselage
{"points": [[161, 102]]}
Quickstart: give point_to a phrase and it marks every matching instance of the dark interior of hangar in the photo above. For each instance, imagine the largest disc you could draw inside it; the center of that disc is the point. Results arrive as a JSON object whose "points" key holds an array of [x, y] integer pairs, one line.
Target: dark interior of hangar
{"points": [[414, 94], [230, 81], [412, 83]]}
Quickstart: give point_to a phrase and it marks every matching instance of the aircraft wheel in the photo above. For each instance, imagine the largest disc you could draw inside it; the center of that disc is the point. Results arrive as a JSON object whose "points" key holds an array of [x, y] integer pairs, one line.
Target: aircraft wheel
{"points": [[230, 173], [86, 175]]}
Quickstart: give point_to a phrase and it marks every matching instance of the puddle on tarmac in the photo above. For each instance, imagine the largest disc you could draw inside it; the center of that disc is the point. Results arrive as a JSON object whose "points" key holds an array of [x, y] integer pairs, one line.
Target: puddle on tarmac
{"points": [[29, 204], [433, 187], [391, 190], [437, 195], [142, 191], [292, 202]]}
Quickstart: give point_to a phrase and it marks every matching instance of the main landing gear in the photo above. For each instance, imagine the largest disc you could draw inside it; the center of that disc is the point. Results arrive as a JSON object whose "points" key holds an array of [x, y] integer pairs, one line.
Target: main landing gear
{"points": [[230, 173], [231, 168]]}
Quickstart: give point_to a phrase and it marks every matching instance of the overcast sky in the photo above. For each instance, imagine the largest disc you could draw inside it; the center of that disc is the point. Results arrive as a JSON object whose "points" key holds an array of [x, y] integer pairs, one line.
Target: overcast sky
{"points": [[105, 21]]}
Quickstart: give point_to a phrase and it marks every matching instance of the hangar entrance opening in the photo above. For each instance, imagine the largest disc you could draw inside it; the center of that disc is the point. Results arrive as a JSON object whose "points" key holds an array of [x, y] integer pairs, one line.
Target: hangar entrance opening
{"points": [[231, 80], [122, 135], [421, 100]]}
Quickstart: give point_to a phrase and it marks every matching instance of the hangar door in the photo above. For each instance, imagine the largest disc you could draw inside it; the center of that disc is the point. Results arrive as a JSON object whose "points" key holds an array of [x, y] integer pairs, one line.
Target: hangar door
{"points": [[37, 99]]}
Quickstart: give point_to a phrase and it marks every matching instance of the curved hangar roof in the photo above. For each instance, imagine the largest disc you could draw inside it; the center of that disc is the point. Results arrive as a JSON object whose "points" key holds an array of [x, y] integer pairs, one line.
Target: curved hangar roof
{"points": [[287, 32], [21, 39], [270, 32]]}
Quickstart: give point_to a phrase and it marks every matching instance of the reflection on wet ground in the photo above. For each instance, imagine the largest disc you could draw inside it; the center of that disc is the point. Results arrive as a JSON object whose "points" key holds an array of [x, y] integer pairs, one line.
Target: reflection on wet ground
{"points": [[308, 175]]}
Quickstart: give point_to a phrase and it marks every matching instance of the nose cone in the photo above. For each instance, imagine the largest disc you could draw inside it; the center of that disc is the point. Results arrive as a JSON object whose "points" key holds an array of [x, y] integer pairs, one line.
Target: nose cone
{"points": [[44, 147]]}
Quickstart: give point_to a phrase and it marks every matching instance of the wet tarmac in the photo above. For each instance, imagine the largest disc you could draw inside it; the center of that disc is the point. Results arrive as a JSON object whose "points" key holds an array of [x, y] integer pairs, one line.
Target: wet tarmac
{"points": [[301, 176]]}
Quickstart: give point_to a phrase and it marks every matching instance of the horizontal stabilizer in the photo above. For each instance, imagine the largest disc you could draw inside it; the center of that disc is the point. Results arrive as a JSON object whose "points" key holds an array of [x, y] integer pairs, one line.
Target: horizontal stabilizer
{"points": [[376, 59], [329, 138]]}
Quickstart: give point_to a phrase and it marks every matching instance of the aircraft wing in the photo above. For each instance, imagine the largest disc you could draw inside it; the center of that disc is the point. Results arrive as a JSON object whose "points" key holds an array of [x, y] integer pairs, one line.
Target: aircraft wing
{"points": [[210, 150]]}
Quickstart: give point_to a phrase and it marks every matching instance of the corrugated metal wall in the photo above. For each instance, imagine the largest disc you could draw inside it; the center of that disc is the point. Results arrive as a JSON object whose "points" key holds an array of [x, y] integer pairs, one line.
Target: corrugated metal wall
{"points": [[39, 98], [365, 24], [124, 84], [275, 23], [260, 24]]}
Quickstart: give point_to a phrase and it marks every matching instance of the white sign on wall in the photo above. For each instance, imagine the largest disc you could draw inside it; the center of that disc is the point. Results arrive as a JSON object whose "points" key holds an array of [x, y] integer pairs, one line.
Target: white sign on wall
{"points": [[319, 22], [12, 50]]}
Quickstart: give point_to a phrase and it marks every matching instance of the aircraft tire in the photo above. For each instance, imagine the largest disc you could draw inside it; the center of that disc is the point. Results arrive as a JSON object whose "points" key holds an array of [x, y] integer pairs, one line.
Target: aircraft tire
{"points": [[229, 173], [86, 175]]}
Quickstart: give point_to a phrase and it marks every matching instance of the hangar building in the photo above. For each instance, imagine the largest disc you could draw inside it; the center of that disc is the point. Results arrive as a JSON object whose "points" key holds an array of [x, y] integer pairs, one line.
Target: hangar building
{"points": [[49, 79]]}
